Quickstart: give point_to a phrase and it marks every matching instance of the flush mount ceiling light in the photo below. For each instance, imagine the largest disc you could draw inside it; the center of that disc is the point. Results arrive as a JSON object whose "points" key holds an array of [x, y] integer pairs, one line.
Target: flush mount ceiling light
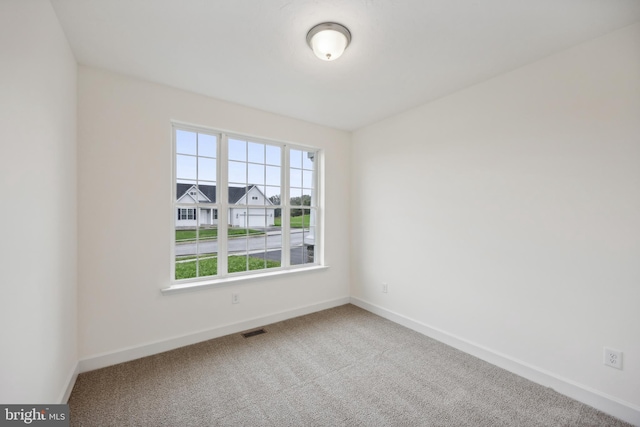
{"points": [[328, 40]]}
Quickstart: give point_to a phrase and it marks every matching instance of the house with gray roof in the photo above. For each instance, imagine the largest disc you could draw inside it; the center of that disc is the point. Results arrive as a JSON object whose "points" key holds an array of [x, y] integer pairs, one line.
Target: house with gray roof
{"points": [[244, 215]]}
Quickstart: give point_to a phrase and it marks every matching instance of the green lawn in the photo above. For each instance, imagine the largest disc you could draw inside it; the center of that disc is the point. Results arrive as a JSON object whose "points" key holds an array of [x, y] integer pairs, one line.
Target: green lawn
{"points": [[301, 221], [212, 233], [209, 266]]}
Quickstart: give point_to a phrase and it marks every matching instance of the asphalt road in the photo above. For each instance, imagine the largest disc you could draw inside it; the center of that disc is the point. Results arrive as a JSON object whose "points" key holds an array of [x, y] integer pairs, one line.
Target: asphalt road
{"points": [[296, 257], [272, 241]]}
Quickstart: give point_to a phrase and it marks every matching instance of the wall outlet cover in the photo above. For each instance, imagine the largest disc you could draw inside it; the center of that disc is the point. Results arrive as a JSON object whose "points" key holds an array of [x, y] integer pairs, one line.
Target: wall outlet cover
{"points": [[613, 358]]}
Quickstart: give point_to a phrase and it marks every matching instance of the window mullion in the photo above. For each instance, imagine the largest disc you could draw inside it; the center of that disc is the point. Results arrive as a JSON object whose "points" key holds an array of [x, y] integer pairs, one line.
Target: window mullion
{"points": [[222, 198], [315, 205], [246, 201], [264, 209], [197, 206], [285, 212]]}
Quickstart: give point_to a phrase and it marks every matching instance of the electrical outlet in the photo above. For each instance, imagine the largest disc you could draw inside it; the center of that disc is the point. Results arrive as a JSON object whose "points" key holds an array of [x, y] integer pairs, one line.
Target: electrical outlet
{"points": [[613, 358], [235, 299], [385, 288]]}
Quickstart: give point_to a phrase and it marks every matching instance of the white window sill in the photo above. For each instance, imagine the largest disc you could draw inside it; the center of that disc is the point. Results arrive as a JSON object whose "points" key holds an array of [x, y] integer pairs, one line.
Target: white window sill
{"points": [[213, 283]]}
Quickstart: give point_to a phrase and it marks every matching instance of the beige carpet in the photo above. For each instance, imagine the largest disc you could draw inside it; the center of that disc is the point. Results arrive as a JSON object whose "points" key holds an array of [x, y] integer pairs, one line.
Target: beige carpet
{"points": [[339, 367]]}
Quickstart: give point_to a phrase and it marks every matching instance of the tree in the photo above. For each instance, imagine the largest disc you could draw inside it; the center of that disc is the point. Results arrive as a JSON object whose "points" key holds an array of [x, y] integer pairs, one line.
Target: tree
{"points": [[276, 201], [305, 200]]}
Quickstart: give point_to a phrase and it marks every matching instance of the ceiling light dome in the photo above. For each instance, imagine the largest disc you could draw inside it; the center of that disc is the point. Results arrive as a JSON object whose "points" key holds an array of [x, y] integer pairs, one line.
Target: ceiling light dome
{"points": [[328, 40]]}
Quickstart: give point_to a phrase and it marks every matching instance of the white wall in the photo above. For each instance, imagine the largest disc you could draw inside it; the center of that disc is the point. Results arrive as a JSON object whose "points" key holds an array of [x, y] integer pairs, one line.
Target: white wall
{"points": [[124, 138], [508, 214], [38, 174]]}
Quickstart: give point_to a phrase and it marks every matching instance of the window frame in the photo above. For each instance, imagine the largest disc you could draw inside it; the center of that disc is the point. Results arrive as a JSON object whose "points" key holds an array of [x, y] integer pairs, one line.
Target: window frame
{"points": [[222, 206]]}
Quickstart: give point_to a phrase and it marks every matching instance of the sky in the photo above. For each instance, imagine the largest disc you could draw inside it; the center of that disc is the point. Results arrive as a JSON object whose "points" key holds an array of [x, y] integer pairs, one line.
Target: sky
{"points": [[250, 163]]}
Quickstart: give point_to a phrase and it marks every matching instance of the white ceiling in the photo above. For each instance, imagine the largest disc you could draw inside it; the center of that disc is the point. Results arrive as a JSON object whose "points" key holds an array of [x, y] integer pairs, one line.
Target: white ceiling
{"points": [[403, 53]]}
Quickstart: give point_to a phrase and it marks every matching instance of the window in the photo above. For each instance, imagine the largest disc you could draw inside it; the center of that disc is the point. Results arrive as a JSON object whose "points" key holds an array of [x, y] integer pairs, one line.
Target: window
{"points": [[186, 214], [244, 205]]}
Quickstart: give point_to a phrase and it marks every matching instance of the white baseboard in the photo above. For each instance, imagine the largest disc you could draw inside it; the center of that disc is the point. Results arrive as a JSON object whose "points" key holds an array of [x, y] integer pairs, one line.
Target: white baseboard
{"points": [[606, 403], [131, 353], [71, 381]]}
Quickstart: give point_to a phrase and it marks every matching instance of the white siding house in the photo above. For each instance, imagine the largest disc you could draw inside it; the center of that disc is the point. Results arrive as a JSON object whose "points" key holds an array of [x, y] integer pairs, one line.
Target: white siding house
{"points": [[251, 217], [241, 216]]}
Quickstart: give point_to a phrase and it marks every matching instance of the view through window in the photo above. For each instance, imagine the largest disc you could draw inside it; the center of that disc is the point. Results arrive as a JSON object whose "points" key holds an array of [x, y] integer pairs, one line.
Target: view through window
{"points": [[242, 205]]}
